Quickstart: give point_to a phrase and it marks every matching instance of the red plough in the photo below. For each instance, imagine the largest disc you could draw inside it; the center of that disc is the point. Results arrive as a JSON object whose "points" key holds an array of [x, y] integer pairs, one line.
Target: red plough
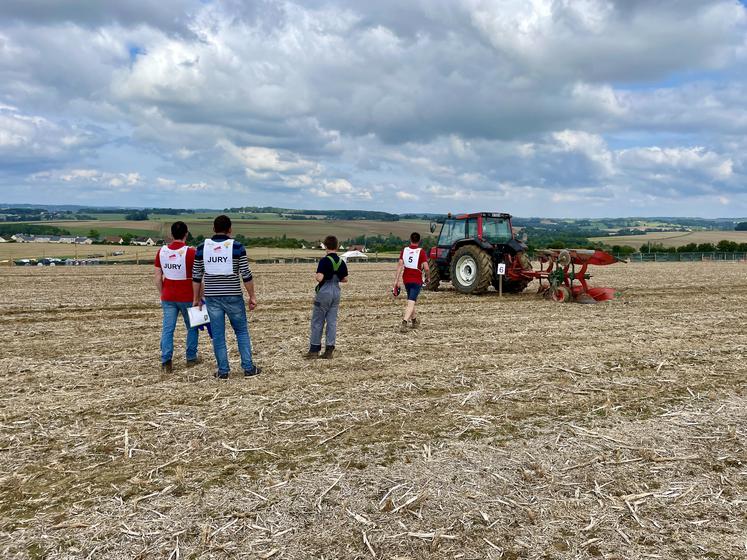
{"points": [[563, 274]]}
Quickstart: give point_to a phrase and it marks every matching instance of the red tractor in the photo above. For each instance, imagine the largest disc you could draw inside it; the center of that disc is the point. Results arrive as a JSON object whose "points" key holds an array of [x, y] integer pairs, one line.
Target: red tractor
{"points": [[469, 250], [474, 250]]}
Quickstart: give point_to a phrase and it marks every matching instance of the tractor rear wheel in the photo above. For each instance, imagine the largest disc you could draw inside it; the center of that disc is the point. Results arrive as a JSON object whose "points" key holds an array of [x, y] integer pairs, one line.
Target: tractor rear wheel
{"points": [[435, 277], [514, 286], [471, 270]]}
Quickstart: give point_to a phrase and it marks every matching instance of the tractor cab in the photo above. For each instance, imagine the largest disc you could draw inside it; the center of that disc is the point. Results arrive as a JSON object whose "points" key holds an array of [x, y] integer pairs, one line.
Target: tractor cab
{"points": [[469, 248], [484, 228]]}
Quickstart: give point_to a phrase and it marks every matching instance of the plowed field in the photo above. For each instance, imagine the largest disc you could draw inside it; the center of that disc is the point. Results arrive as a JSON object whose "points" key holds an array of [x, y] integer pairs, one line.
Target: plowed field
{"points": [[503, 428]]}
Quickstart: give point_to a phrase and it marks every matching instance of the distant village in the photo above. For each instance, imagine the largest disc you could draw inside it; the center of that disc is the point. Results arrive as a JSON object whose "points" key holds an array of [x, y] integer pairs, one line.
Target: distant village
{"points": [[75, 240]]}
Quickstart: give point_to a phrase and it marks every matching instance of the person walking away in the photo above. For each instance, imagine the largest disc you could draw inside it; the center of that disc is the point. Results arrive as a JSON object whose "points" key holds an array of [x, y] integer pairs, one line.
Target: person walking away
{"points": [[412, 263], [173, 279], [221, 265], [330, 272]]}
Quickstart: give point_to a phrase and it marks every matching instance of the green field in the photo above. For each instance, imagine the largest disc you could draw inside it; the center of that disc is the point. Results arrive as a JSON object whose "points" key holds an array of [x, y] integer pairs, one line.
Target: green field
{"points": [[311, 230], [673, 238], [139, 229]]}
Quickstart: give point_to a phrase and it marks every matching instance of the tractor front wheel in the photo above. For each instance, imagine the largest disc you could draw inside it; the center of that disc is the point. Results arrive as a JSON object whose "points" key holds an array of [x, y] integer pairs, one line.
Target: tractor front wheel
{"points": [[471, 270], [435, 277]]}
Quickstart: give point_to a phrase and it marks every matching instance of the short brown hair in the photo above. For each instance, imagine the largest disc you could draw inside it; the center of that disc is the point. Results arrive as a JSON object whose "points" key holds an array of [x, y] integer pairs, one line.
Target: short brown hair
{"points": [[222, 224], [179, 230], [414, 237], [330, 242]]}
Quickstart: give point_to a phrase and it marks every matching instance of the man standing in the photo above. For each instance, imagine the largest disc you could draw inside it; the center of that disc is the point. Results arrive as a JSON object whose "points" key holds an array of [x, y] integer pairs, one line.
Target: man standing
{"points": [[174, 282], [222, 264], [330, 271], [412, 260]]}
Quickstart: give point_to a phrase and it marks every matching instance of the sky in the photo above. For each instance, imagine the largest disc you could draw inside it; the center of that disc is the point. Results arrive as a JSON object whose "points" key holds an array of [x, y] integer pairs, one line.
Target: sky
{"points": [[565, 108]]}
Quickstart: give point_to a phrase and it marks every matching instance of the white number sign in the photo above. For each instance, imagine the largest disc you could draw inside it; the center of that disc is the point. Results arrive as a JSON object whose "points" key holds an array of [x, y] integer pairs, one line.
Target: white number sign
{"points": [[500, 269]]}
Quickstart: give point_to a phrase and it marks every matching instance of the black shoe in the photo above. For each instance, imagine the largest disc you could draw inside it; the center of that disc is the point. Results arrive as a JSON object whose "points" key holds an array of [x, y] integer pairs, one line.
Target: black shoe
{"points": [[329, 351], [193, 363], [414, 324], [220, 375], [167, 367], [403, 326], [251, 372], [311, 355]]}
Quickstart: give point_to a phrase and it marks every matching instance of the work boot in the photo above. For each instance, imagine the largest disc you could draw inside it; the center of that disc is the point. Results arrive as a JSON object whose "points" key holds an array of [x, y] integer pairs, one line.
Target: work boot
{"points": [[329, 351], [414, 324], [311, 355], [193, 363], [403, 326], [167, 367], [255, 370], [221, 375]]}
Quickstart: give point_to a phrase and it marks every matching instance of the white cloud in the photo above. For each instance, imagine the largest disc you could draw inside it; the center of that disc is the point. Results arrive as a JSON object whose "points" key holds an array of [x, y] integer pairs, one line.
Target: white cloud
{"points": [[340, 189], [592, 146], [261, 160], [440, 191], [339, 186], [403, 195], [679, 159], [29, 137], [81, 174], [320, 193], [201, 186], [471, 102]]}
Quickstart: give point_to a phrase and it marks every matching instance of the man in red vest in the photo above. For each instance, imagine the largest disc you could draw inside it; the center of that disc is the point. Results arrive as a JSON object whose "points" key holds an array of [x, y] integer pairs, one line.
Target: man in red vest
{"points": [[173, 277]]}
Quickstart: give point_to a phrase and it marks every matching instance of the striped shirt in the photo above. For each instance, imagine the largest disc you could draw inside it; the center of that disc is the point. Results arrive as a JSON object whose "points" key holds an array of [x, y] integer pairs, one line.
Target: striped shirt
{"points": [[223, 284]]}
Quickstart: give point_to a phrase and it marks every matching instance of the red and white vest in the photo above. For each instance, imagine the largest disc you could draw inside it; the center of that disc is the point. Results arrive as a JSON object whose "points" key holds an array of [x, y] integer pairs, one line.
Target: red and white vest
{"points": [[174, 263], [411, 257]]}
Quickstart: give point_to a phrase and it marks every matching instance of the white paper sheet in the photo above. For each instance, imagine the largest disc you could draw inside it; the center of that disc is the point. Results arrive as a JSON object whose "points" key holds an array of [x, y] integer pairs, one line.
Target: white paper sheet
{"points": [[198, 316]]}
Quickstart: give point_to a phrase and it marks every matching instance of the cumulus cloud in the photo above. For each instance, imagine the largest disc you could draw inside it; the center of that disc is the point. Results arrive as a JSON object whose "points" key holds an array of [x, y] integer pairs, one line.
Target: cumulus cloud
{"points": [[340, 189], [439, 191], [164, 14], [259, 161], [472, 103], [403, 195], [34, 140], [78, 176]]}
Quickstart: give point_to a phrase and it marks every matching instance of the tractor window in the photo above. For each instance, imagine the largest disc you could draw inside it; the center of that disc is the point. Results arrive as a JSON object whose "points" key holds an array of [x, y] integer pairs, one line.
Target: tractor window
{"points": [[496, 230], [472, 228], [452, 232]]}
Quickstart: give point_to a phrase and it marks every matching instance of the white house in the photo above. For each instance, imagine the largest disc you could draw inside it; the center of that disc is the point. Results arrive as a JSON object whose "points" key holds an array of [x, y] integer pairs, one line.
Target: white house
{"points": [[22, 238], [143, 241], [3, 240], [83, 241], [67, 239]]}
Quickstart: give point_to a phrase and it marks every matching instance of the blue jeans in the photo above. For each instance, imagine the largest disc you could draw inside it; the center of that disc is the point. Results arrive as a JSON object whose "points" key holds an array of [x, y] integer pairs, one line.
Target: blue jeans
{"points": [[218, 308], [171, 311]]}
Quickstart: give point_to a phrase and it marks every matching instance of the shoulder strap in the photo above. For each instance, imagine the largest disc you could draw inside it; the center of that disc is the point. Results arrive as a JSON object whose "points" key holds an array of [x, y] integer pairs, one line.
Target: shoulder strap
{"points": [[335, 264]]}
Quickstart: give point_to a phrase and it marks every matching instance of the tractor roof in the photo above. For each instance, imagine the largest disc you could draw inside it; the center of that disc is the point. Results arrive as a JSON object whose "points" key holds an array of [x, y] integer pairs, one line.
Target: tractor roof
{"points": [[485, 214]]}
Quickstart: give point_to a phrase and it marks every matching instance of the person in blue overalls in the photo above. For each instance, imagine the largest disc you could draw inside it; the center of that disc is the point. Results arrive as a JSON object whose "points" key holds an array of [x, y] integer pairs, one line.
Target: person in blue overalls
{"points": [[330, 272]]}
